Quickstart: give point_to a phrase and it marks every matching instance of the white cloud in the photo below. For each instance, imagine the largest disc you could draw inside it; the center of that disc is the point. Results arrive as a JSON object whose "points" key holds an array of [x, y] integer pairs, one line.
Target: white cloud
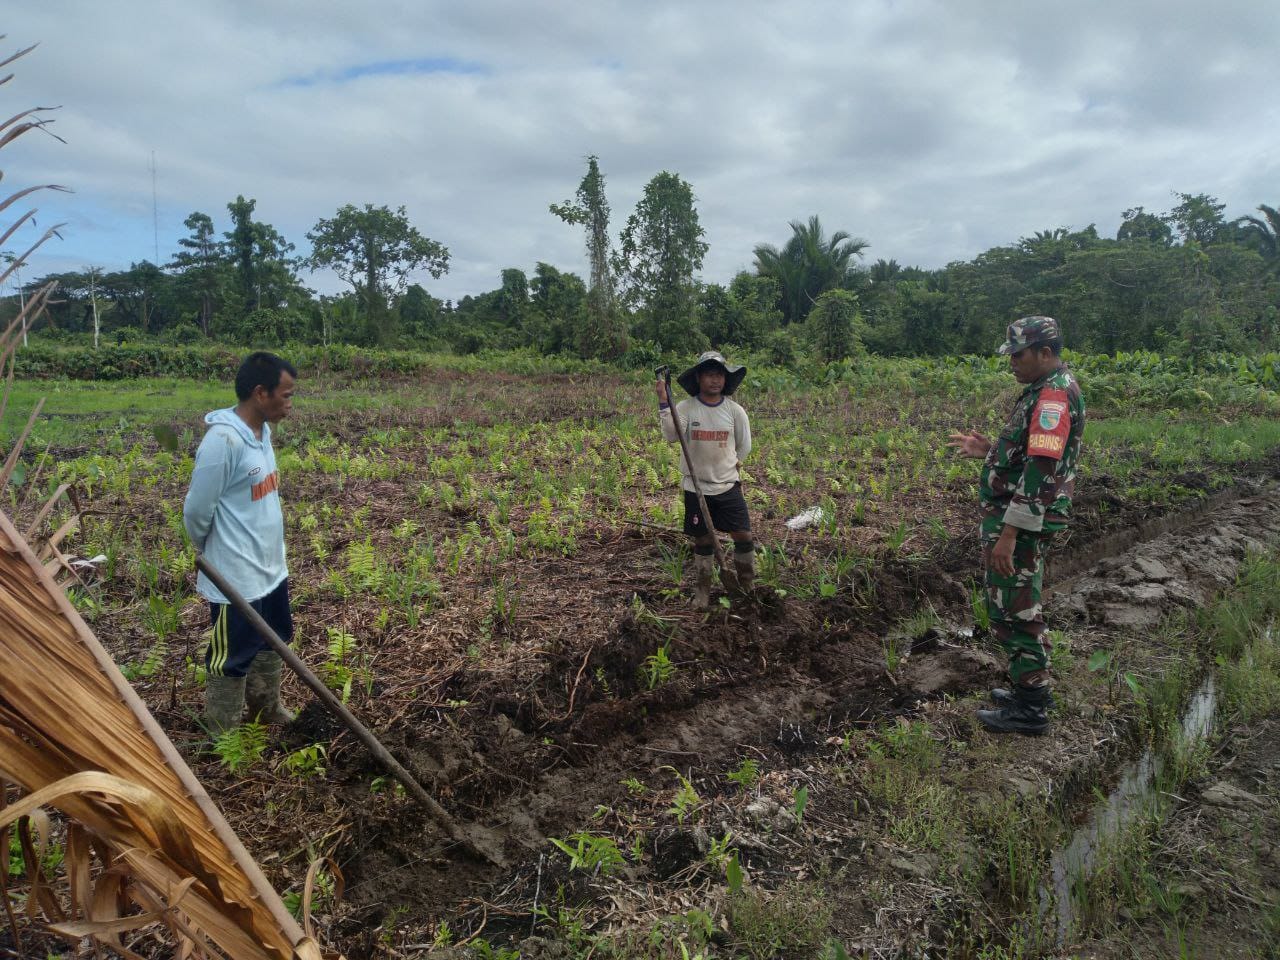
{"points": [[932, 130]]}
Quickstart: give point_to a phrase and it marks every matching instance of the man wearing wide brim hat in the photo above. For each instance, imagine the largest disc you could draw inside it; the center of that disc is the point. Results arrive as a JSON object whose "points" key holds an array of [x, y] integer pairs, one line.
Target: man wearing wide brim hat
{"points": [[717, 434], [733, 373], [1027, 481]]}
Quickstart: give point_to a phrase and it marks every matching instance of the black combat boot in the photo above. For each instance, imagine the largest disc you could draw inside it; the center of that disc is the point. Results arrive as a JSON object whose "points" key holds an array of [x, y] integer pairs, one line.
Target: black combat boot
{"points": [[1026, 712], [1003, 698]]}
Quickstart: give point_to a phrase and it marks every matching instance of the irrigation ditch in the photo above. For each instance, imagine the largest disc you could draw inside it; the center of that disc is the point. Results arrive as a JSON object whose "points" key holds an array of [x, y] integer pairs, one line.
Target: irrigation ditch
{"points": [[896, 847]]}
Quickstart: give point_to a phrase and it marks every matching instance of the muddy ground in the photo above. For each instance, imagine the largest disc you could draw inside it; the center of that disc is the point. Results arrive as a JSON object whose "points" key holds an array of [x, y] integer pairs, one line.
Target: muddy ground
{"points": [[784, 685], [557, 728]]}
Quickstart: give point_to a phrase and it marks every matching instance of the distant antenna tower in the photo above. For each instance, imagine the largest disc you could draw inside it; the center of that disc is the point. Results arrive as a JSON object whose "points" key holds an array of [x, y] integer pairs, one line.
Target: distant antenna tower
{"points": [[155, 211]]}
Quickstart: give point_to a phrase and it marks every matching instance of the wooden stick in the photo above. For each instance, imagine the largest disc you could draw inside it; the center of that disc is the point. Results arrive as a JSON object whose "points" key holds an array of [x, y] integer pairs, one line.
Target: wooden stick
{"points": [[334, 705], [726, 574]]}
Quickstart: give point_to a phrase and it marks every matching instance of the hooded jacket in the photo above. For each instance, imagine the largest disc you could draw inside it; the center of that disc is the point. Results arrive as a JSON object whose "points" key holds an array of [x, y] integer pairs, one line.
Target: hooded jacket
{"points": [[232, 511]]}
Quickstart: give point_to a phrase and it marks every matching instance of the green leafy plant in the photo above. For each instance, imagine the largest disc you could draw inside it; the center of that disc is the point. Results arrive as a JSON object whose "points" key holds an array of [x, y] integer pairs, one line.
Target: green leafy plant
{"points": [[746, 775], [658, 668], [306, 761], [239, 748], [800, 800], [382, 784], [733, 874], [591, 852], [686, 800], [339, 672]]}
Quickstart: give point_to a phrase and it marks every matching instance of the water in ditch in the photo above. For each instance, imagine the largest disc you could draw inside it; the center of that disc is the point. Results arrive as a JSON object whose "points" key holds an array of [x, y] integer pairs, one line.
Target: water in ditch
{"points": [[1135, 795]]}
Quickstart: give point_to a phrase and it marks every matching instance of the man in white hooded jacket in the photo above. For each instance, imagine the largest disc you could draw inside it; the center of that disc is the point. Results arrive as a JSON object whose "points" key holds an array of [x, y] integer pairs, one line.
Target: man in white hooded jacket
{"points": [[232, 515]]}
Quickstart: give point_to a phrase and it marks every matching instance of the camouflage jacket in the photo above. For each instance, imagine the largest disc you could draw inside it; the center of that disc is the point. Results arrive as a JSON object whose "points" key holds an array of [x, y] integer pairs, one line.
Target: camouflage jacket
{"points": [[1029, 474]]}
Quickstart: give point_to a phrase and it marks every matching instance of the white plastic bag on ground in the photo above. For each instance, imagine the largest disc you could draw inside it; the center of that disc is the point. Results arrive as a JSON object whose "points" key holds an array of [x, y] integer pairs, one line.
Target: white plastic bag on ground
{"points": [[814, 515]]}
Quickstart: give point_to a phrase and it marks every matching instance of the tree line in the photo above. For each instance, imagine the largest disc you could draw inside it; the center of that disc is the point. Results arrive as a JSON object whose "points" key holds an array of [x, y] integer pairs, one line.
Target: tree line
{"points": [[1188, 280]]}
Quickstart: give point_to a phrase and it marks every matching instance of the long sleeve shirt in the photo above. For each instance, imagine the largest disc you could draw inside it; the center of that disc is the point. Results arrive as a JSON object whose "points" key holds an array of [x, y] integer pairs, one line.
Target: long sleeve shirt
{"points": [[232, 510], [1029, 474], [718, 437]]}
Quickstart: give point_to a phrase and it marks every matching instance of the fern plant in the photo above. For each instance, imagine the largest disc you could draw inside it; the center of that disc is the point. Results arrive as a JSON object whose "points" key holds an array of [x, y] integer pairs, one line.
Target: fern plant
{"points": [[241, 747]]}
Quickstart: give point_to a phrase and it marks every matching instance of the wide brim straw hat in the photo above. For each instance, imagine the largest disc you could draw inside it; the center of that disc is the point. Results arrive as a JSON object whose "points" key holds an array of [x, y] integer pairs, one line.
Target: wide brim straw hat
{"points": [[733, 373]]}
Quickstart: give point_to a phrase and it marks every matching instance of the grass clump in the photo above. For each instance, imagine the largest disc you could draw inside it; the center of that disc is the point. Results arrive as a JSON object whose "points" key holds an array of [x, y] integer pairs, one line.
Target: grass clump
{"points": [[791, 921]]}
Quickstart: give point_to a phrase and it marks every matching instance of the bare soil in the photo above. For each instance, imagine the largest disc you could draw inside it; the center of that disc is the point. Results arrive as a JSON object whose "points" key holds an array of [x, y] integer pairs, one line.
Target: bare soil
{"points": [[782, 683], [552, 727]]}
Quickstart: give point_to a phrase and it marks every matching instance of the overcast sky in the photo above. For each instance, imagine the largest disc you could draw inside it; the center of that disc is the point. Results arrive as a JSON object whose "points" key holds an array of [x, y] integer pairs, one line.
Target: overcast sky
{"points": [[933, 130]]}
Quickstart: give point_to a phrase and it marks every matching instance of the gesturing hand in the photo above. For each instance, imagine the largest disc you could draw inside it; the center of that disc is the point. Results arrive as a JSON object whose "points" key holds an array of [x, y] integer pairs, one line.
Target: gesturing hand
{"points": [[661, 388], [971, 444]]}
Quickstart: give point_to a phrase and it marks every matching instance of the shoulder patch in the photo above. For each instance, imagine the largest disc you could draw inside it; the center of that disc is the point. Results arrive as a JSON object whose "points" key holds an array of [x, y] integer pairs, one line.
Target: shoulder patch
{"points": [[1050, 425]]}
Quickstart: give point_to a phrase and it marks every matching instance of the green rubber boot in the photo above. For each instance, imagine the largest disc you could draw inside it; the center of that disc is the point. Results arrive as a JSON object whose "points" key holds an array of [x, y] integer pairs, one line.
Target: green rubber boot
{"points": [[703, 567], [262, 692], [223, 703], [744, 565]]}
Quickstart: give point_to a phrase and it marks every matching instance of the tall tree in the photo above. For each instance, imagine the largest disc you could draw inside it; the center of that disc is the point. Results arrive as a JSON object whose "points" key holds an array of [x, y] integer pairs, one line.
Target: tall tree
{"points": [[559, 311], [260, 257], [374, 249], [808, 265], [241, 241], [1197, 218], [513, 297], [140, 296], [604, 334], [833, 325], [661, 249], [1137, 224], [200, 263], [420, 313]]}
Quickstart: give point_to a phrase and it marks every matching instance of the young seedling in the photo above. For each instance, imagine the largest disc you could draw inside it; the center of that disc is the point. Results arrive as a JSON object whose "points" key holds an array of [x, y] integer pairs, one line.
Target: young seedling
{"points": [[746, 775], [658, 668], [801, 800], [686, 800]]}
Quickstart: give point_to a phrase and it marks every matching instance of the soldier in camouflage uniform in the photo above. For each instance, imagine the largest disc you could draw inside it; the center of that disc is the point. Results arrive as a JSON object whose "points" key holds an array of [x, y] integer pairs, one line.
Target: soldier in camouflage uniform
{"points": [[1028, 476]]}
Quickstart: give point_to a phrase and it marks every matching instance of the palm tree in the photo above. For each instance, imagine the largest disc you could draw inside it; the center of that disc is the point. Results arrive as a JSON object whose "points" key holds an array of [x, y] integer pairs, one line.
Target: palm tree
{"points": [[1263, 232], [885, 271], [808, 265]]}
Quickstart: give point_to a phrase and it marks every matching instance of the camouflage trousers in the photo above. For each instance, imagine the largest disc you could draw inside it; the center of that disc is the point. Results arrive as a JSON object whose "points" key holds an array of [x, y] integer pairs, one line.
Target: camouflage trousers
{"points": [[1013, 602]]}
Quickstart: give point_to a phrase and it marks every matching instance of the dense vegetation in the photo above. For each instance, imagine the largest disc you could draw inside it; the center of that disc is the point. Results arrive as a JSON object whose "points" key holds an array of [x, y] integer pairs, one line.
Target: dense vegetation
{"points": [[1187, 281]]}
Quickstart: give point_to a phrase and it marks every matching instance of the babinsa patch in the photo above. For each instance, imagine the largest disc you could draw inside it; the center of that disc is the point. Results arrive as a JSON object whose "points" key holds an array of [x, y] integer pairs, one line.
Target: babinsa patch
{"points": [[1050, 425], [1051, 412]]}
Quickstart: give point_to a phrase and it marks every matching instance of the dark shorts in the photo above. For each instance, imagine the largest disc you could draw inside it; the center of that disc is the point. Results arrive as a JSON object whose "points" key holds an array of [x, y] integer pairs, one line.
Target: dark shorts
{"points": [[235, 642], [728, 512]]}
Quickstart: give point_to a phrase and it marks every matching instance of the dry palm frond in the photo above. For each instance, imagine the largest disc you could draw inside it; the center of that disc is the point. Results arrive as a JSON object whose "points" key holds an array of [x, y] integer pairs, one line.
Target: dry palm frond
{"points": [[75, 736], [145, 845]]}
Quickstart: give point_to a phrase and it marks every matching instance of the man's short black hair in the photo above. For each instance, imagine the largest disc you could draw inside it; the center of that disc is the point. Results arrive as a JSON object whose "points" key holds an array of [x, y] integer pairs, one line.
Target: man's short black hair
{"points": [[1054, 345], [261, 369]]}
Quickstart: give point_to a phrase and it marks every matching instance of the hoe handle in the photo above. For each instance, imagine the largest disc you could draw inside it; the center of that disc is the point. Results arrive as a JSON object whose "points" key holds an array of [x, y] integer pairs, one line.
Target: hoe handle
{"points": [[665, 372], [334, 705]]}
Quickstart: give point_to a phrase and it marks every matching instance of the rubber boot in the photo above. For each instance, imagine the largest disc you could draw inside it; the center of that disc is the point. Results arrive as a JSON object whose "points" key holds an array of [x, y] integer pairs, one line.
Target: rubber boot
{"points": [[1026, 712], [262, 691], [1003, 698], [744, 565], [223, 703], [703, 565]]}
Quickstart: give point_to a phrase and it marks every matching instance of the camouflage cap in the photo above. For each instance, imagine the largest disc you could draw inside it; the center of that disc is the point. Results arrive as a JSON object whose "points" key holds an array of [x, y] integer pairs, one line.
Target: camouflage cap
{"points": [[1029, 332]]}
